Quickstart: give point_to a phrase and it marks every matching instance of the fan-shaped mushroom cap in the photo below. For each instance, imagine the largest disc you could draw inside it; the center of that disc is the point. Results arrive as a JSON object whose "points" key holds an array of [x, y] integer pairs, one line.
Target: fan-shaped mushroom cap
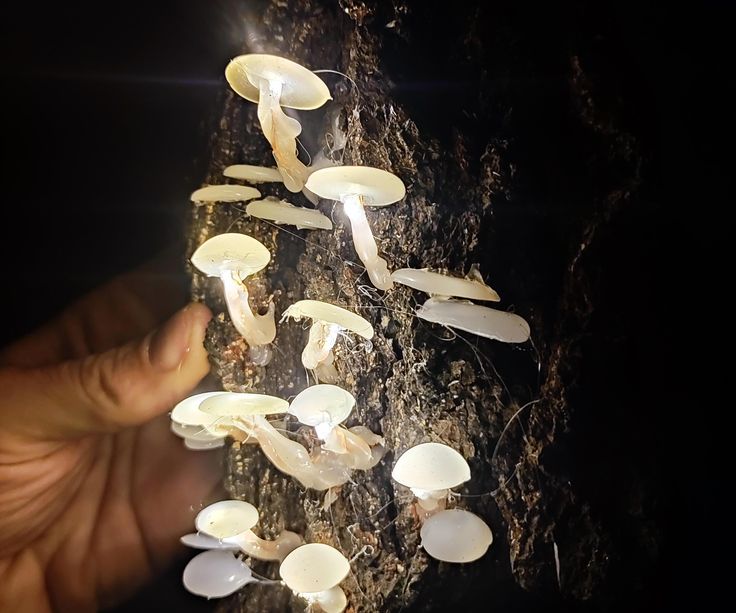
{"points": [[280, 211], [253, 174], [322, 403], [231, 251], [456, 536], [301, 88], [477, 319], [324, 311], [187, 413], [226, 519], [444, 285], [431, 466], [225, 193], [242, 405], [216, 574], [376, 187], [314, 568]]}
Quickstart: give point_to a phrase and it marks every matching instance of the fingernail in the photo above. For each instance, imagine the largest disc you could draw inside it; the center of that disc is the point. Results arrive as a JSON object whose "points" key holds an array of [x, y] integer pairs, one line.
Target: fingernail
{"points": [[170, 342]]}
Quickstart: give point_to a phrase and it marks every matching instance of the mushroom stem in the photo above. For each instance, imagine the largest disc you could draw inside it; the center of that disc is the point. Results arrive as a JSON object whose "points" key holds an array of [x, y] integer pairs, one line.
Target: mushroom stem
{"points": [[261, 549], [429, 499], [322, 338], [257, 330], [365, 244], [281, 131]]}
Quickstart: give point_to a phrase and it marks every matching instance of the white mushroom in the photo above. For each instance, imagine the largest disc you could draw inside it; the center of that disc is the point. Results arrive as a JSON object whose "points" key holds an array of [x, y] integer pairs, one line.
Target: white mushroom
{"points": [[198, 540], [231, 521], [216, 574], [456, 536], [253, 174], [480, 320], [323, 407], [356, 187], [314, 571], [328, 320], [233, 257], [438, 284], [280, 211], [430, 470], [273, 82], [197, 437], [225, 193], [194, 425]]}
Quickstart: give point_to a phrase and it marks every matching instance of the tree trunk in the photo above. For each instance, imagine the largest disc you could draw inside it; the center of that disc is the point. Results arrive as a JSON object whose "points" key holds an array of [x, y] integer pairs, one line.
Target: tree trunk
{"points": [[511, 163]]}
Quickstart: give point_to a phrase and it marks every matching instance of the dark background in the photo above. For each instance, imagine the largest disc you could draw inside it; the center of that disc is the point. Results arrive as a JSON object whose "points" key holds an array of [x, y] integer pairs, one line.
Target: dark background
{"points": [[107, 109]]}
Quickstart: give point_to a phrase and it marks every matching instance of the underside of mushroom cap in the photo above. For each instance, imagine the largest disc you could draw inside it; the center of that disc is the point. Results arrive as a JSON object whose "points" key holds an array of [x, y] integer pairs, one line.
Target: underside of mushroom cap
{"points": [[440, 284], [330, 313], [431, 466], [315, 567], [280, 211], [375, 186], [240, 405], [253, 174], [301, 88], [231, 251], [456, 536], [216, 574], [225, 193], [226, 519], [322, 403]]}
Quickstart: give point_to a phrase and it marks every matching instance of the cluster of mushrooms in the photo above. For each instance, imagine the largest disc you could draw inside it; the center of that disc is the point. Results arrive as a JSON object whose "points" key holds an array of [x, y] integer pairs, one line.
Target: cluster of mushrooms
{"points": [[224, 529]]}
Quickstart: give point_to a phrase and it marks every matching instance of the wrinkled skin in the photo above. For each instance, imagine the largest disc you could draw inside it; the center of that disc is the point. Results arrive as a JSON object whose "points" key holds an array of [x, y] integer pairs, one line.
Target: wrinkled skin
{"points": [[94, 488]]}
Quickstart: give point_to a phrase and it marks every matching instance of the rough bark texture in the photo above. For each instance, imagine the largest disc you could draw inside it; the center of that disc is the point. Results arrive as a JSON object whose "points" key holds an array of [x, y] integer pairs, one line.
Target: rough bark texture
{"points": [[537, 224]]}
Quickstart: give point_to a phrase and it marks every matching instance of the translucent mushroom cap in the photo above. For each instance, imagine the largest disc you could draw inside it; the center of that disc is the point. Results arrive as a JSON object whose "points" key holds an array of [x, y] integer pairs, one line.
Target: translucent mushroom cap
{"points": [[456, 536], [216, 574], [280, 211], [431, 466], [253, 174], [377, 187], [235, 405], [231, 251], [444, 285], [314, 568], [188, 413], [324, 311], [226, 519], [322, 403], [301, 88]]}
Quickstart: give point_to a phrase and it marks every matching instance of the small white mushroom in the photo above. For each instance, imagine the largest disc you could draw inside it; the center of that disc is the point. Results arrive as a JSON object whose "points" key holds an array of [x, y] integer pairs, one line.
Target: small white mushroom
{"points": [[273, 82], [356, 187], [313, 571], [233, 257], [216, 574], [197, 438], [193, 424], [438, 284], [456, 536], [225, 193], [242, 405], [329, 320], [480, 320], [323, 407], [253, 174], [280, 211], [430, 470], [231, 521], [198, 540]]}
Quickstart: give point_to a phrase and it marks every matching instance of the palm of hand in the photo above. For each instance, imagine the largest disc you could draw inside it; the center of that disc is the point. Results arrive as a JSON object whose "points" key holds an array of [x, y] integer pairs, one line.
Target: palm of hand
{"points": [[91, 509]]}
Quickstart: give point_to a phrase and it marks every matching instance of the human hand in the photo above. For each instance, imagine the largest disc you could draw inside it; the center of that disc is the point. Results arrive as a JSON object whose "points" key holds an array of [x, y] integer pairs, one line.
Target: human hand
{"points": [[94, 488]]}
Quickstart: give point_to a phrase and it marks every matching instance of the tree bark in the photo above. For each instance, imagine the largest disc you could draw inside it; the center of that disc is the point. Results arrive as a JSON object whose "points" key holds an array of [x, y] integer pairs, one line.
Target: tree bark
{"points": [[491, 180]]}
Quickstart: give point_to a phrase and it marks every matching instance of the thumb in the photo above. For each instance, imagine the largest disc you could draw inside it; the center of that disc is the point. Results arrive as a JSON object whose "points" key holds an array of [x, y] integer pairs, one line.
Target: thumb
{"points": [[123, 387]]}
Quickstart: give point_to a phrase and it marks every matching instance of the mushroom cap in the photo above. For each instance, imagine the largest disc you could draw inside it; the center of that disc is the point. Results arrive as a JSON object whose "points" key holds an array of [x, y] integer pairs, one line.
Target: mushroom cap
{"points": [[444, 285], [253, 174], [301, 88], [431, 466], [225, 193], [197, 540], [330, 313], [377, 187], [235, 404], [226, 519], [456, 536], [187, 413], [314, 568], [216, 574], [280, 211], [194, 433], [231, 251], [322, 403], [332, 600]]}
